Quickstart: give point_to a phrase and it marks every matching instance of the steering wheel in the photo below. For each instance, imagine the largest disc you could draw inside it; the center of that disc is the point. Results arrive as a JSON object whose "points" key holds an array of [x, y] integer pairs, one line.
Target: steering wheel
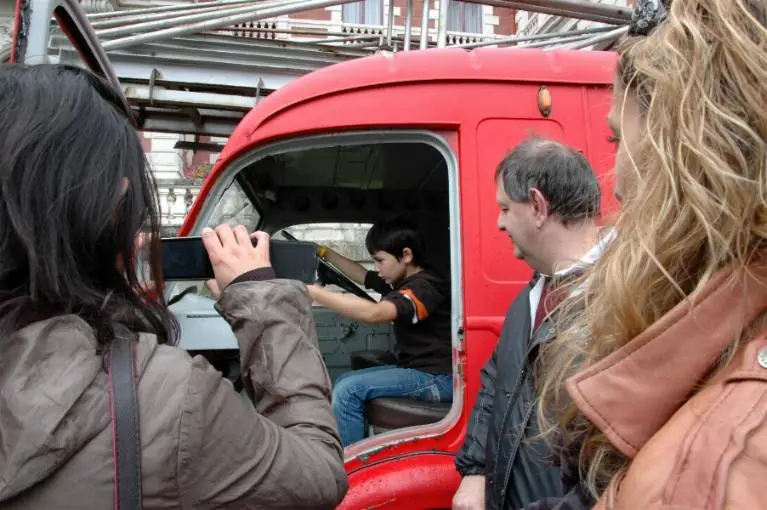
{"points": [[327, 274]]}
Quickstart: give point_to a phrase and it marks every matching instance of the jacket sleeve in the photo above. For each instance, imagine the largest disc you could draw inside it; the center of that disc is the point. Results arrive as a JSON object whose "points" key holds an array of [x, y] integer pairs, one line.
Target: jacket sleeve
{"points": [[576, 495], [284, 452], [572, 500], [471, 457]]}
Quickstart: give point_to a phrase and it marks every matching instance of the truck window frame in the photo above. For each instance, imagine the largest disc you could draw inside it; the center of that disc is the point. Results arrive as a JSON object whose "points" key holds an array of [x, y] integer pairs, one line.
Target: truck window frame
{"points": [[367, 137]]}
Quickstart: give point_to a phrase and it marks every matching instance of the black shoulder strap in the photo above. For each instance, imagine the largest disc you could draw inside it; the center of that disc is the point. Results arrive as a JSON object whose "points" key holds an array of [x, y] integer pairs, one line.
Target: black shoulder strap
{"points": [[125, 426]]}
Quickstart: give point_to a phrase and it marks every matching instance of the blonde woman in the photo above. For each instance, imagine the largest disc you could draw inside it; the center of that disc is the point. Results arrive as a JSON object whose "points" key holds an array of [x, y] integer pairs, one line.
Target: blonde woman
{"points": [[659, 388]]}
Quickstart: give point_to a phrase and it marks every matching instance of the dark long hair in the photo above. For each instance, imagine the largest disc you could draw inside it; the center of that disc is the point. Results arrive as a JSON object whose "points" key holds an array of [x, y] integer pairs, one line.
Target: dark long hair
{"points": [[75, 191]]}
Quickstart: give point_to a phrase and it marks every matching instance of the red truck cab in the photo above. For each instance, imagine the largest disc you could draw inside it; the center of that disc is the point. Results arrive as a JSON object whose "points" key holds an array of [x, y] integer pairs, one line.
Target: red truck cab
{"points": [[417, 133]]}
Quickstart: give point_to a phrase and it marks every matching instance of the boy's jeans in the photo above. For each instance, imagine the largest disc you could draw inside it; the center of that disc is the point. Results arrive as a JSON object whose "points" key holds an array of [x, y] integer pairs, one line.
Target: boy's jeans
{"points": [[353, 389]]}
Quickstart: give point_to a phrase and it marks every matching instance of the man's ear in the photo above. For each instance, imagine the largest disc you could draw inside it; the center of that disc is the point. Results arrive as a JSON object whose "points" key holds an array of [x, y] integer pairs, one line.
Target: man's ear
{"points": [[540, 207], [407, 256]]}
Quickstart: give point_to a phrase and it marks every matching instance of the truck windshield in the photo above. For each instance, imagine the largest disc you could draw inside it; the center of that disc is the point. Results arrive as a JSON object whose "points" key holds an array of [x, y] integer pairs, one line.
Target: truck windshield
{"points": [[235, 208]]}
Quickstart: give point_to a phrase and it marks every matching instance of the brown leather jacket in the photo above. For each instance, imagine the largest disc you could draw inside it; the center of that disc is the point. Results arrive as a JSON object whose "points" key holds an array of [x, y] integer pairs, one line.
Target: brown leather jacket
{"points": [[691, 446], [203, 444]]}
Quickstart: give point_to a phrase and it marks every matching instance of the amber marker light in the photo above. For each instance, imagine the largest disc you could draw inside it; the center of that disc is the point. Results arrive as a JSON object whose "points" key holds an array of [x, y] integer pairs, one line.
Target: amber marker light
{"points": [[544, 101]]}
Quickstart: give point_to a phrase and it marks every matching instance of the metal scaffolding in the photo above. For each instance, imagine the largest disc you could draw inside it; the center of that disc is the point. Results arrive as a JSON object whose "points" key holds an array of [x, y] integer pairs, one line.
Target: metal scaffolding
{"points": [[186, 68]]}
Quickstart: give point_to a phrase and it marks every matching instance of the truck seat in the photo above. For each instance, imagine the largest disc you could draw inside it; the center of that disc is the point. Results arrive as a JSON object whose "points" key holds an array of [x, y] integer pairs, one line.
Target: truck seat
{"points": [[388, 413], [395, 413]]}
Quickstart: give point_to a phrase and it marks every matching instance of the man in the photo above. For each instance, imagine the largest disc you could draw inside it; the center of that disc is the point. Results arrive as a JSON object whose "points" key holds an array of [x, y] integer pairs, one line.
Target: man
{"points": [[549, 201]]}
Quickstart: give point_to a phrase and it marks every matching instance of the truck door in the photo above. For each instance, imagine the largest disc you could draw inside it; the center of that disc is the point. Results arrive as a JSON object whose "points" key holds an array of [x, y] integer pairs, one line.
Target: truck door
{"points": [[494, 276]]}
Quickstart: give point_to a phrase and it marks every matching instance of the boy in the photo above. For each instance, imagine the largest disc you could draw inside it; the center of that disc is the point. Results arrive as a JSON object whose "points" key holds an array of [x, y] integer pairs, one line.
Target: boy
{"points": [[417, 301]]}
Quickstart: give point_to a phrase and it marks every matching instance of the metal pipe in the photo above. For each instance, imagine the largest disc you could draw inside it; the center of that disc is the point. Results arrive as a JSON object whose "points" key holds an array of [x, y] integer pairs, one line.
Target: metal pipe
{"points": [[561, 44], [546, 44], [165, 8], [139, 18], [535, 37], [215, 23], [368, 37], [565, 8], [150, 26], [442, 24], [362, 45], [609, 36], [522, 5], [424, 41], [408, 23], [390, 24]]}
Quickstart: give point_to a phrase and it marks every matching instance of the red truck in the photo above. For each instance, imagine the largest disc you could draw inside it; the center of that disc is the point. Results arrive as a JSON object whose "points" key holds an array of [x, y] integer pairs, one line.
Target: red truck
{"points": [[416, 133]]}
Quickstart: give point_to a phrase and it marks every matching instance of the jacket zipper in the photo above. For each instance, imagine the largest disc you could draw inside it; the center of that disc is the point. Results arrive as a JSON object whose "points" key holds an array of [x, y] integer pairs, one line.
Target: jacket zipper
{"points": [[528, 413]]}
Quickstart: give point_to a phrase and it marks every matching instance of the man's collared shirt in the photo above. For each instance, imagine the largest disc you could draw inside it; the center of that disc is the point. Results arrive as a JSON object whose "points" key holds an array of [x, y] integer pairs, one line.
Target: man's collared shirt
{"points": [[589, 258]]}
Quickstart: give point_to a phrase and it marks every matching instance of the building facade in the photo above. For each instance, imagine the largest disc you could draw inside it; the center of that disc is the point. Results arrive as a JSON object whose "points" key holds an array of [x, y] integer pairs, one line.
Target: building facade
{"points": [[179, 171]]}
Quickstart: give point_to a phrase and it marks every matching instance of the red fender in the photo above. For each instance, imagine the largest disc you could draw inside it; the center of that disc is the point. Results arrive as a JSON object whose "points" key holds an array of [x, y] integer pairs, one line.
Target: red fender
{"points": [[411, 482]]}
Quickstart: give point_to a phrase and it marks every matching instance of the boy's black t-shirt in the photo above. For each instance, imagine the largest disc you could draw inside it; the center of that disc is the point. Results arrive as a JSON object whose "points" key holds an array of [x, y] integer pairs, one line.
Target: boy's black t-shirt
{"points": [[422, 327]]}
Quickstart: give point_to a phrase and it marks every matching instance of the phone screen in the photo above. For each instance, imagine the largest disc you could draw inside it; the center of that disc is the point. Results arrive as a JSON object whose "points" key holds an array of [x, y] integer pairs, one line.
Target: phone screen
{"points": [[185, 258]]}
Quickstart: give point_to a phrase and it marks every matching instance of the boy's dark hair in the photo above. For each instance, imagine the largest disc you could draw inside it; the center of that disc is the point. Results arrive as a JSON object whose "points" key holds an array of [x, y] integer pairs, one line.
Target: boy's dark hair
{"points": [[393, 235], [562, 174]]}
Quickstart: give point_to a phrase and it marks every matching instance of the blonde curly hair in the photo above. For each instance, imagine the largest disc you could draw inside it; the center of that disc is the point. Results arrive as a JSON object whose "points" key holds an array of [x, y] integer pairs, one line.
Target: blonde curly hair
{"points": [[699, 201]]}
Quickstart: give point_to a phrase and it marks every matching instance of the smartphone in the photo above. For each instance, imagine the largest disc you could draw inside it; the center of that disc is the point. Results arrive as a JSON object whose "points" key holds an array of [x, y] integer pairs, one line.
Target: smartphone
{"points": [[185, 258]]}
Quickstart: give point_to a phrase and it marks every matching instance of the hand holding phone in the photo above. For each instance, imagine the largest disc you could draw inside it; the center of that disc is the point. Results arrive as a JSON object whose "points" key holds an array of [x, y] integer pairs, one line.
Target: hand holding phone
{"points": [[189, 258], [232, 253]]}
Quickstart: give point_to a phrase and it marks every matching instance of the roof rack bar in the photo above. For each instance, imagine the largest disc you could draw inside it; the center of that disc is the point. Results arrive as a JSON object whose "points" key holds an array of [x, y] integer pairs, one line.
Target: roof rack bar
{"points": [[535, 37], [214, 21], [548, 44], [591, 41], [140, 18], [424, 38], [442, 23], [408, 23], [165, 8], [579, 9], [149, 26]]}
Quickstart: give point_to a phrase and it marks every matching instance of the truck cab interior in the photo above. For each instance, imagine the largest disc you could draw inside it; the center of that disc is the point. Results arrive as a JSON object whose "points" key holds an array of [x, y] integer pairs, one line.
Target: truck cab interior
{"points": [[324, 183]]}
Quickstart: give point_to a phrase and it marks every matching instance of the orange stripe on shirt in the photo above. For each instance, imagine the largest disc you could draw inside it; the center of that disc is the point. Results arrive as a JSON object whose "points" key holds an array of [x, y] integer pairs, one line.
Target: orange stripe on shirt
{"points": [[420, 309]]}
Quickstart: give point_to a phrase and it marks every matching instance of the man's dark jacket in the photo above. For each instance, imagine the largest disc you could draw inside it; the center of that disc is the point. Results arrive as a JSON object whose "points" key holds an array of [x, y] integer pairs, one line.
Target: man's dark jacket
{"points": [[499, 444]]}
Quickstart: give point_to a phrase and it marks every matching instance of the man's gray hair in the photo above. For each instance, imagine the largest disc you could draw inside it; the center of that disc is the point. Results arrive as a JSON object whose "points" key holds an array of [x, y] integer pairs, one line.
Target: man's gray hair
{"points": [[562, 175]]}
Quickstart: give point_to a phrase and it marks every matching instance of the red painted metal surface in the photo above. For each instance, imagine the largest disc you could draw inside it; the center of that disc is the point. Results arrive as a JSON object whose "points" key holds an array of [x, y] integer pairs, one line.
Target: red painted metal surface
{"points": [[388, 485], [275, 117], [483, 103], [15, 30]]}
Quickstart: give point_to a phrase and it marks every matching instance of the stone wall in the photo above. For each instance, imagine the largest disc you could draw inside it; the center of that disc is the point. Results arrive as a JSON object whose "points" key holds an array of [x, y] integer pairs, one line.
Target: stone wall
{"points": [[348, 239], [6, 20]]}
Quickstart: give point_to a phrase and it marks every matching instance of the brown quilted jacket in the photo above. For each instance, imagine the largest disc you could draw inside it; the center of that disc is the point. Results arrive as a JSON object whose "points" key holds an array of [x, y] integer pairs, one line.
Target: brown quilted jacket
{"points": [[203, 444]]}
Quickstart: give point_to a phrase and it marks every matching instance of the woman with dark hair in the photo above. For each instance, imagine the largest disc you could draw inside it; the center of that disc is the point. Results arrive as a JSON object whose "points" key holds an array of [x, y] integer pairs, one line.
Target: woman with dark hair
{"points": [[75, 194]]}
